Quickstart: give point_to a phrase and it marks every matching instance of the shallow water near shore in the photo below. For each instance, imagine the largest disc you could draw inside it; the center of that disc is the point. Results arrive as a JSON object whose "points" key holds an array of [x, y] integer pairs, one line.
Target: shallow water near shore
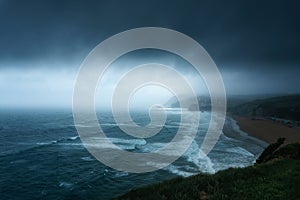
{"points": [[42, 156]]}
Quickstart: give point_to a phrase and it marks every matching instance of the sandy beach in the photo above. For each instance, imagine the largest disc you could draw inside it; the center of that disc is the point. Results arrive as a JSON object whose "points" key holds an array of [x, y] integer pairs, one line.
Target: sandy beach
{"points": [[267, 130]]}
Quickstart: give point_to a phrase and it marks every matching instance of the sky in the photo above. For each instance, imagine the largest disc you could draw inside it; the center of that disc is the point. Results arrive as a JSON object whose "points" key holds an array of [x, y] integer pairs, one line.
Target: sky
{"points": [[255, 44]]}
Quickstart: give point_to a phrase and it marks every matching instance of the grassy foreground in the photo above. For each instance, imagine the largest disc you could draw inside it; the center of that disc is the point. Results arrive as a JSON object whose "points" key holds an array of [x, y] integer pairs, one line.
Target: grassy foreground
{"points": [[278, 178]]}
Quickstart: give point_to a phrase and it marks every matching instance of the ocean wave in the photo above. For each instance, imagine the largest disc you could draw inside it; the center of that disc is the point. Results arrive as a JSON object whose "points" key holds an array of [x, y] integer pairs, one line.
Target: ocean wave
{"points": [[73, 138], [231, 163], [128, 141], [87, 158], [236, 127], [107, 125], [195, 155], [178, 171], [47, 143], [157, 165], [66, 185], [125, 144], [121, 174], [80, 125], [239, 150]]}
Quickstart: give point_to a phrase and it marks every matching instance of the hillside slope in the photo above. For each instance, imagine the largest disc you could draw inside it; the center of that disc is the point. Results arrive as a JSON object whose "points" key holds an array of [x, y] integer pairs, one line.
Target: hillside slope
{"points": [[278, 178], [287, 107]]}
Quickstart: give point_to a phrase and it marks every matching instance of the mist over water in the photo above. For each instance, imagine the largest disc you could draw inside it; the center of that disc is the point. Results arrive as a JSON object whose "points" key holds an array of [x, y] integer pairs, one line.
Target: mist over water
{"points": [[53, 88]]}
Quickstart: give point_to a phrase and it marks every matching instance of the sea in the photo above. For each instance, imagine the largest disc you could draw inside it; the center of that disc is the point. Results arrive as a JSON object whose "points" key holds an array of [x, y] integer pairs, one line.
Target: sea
{"points": [[42, 156]]}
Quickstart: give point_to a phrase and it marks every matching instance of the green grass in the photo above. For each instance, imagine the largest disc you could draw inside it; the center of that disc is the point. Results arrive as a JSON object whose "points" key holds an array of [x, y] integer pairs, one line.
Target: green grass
{"points": [[276, 179]]}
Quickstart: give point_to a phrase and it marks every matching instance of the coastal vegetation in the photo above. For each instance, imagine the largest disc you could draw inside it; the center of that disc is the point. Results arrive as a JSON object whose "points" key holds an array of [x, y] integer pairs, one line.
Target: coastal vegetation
{"points": [[274, 178], [281, 107], [275, 175]]}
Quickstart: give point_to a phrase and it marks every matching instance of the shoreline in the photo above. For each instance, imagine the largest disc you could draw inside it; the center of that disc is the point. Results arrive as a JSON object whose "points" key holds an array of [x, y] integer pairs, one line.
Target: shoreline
{"points": [[252, 144], [266, 130]]}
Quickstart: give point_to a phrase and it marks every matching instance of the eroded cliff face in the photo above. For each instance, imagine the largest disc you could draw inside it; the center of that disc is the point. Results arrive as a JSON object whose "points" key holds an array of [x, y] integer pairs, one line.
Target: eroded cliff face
{"points": [[277, 151]]}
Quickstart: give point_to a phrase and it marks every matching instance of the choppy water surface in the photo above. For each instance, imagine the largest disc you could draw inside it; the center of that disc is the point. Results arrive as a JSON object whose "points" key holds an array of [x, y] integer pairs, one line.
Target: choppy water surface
{"points": [[41, 156]]}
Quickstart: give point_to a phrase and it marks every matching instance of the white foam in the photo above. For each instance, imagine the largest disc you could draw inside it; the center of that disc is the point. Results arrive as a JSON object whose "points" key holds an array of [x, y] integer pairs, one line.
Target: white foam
{"points": [[121, 174], [236, 127], [81, 125], [176, 170], [43, 143], [151, 147], [128, 141], [87, 158], [126, 144], [107, 124], [47, 143], [239, 150], [195, 155], [157, 165], [66, 185], [127, 147], [73, 138], [105, 171]]}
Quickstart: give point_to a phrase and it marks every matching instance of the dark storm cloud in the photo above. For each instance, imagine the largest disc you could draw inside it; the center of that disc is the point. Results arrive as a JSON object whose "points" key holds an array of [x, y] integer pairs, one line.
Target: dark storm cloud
{"points": [[233, 32]]}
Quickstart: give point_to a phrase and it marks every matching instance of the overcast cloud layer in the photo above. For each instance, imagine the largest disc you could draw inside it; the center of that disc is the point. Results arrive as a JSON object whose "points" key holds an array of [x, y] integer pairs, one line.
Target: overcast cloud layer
{"points": [[255, 44]]}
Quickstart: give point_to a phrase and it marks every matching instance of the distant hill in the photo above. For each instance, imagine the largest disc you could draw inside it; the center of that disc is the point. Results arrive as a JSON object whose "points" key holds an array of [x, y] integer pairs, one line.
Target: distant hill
{"points": [[287, 107], [203, 102]]}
